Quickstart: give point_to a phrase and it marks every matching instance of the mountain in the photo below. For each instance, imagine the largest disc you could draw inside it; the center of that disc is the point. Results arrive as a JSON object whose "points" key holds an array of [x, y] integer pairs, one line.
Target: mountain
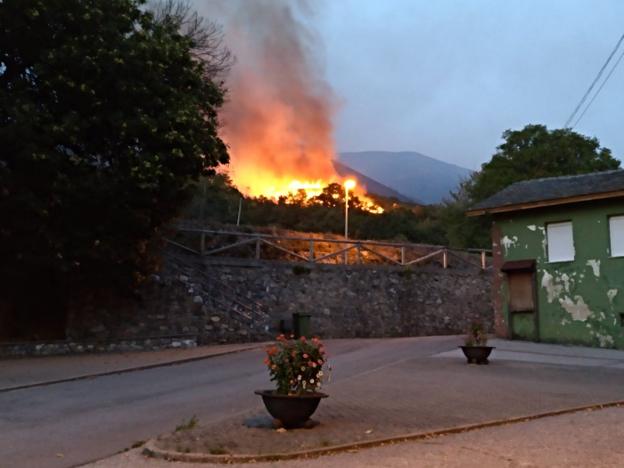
{"points": [[372, 186], [415, 175]]}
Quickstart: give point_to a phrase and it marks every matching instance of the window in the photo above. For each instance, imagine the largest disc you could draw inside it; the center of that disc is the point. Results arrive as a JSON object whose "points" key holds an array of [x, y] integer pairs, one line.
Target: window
{"points": [[560, 242], [616, 234]]}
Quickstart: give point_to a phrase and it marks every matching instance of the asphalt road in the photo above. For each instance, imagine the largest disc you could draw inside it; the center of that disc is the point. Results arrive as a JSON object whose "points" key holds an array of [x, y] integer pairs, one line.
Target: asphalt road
{"points": [[72, 423]]}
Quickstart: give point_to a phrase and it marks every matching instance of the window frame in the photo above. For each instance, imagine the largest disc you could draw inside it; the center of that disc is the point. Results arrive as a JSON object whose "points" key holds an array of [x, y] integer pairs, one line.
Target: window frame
{"points": [[548, 250], [609, 217]]}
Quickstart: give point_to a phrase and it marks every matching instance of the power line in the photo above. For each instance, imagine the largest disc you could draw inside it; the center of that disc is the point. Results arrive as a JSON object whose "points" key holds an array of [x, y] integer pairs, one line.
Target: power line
{"points": [[599, 89], [591, 87]]}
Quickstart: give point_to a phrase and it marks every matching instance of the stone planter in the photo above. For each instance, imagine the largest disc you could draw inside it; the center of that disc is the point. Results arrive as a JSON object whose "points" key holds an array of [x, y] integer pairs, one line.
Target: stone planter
{"points": [[291, 410], [477, 354]]}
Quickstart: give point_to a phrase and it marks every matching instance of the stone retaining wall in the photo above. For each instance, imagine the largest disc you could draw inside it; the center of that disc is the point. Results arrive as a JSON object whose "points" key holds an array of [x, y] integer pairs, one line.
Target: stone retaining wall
{"points": [[53, 348], [365, 301], [240, 301]]}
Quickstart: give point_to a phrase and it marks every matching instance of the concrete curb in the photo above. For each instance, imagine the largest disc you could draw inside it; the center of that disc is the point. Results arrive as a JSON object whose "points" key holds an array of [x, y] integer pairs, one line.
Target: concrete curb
{"points": [[151, 450], [131, 369]]}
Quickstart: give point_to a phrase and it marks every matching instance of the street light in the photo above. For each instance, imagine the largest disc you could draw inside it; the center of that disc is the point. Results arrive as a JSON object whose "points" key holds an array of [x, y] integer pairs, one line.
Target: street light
{"points": [[349, 184]]}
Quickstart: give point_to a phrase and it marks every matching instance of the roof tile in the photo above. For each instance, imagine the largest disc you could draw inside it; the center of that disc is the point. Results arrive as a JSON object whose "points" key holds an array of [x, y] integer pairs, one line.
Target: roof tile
{"points": [[553, 188]]}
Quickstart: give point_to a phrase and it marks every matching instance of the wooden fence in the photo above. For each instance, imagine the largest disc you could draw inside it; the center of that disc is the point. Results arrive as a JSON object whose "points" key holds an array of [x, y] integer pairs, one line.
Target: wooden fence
{"points": [[315, 250]]}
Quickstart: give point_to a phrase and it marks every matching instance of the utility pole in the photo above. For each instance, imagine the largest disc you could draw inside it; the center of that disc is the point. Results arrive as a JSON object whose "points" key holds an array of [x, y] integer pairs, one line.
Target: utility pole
{"points": [[348, 184]]}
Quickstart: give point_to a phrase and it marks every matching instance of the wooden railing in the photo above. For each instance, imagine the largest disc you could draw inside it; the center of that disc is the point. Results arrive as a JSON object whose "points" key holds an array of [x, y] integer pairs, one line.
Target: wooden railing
{"points": [[310, 249]]}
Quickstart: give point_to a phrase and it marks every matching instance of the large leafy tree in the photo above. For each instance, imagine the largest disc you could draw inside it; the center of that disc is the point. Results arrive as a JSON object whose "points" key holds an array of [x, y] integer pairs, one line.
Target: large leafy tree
{"points": [[530, 153], [333, 195], [535, 152], [106, 118]]}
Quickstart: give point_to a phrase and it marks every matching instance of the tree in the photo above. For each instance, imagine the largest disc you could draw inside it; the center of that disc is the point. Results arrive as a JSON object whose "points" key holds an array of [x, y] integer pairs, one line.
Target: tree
{"points": [[106, 118], [206, 36], [215, 198], [530, 153], [536, 152], [463, 232], [333, 195]]}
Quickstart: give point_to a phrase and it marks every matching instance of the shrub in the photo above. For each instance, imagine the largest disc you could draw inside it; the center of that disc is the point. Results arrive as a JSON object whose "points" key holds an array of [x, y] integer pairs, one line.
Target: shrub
{"points": [[296, 366], [477, 335]]}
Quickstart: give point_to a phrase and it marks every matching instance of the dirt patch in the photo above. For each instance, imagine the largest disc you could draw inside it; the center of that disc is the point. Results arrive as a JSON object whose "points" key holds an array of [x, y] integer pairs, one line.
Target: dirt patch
{"points": [[256, 433]]}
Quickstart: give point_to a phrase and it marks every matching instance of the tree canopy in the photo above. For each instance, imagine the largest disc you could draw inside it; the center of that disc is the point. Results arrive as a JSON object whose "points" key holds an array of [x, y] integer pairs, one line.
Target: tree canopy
{"points": [[530, 153], [534, 152], [106, 117], [216, 203]]}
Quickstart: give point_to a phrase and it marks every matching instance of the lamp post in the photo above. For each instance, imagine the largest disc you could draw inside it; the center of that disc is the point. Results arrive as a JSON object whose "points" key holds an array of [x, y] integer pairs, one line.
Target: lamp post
{"points": [[349, 184]]}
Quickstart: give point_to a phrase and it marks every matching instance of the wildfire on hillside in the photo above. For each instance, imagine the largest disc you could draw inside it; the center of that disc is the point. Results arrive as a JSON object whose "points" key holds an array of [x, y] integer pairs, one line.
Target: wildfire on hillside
{"points": [[277, 120]]}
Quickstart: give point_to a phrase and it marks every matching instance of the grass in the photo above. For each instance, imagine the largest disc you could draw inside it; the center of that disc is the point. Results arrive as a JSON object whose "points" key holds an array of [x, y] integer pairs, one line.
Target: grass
{"points": [[187, 425], [217, 451]]}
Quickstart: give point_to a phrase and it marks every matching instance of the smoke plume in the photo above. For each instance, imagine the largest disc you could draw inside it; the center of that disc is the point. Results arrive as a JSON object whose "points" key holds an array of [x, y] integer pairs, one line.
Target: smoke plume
{"points": [[277, 120]]}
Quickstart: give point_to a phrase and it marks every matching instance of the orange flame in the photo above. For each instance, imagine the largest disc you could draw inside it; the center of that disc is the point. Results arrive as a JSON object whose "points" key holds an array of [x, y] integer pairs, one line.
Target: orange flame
{"points": [[277, 121]]}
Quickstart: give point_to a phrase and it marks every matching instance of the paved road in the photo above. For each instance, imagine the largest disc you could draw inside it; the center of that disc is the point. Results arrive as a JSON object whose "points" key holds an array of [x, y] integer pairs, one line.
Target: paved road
{"points": [[33, 371], [71, 423]]}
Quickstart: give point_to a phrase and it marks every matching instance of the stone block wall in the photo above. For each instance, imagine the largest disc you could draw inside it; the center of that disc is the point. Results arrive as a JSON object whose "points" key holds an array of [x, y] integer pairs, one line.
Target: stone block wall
{"points": [[233, 300], [365, 301]]}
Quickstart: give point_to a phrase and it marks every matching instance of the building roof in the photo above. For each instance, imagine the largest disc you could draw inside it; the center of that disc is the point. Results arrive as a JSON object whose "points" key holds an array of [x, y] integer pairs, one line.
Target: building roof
{"points": [[552, 191]]}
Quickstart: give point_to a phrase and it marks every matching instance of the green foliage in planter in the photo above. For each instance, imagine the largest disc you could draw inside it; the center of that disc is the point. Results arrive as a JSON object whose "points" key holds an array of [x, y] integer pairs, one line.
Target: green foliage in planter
{"points": [[477, 336], [296, 366]]}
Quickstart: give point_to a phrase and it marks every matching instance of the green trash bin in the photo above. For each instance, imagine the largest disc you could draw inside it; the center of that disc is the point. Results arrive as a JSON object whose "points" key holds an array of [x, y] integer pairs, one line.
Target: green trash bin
{"points": [[301, 325]]}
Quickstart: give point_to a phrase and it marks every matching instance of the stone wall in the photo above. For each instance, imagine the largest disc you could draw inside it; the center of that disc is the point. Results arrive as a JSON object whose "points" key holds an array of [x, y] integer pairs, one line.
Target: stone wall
{"points": [[365, 301], [185, 299], [229, 300], [53, 348]]}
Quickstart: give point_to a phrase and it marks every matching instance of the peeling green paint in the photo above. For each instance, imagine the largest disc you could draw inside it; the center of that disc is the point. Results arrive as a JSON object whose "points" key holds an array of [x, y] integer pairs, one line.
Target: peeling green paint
{"points": [[523, 326], [578, 301]]}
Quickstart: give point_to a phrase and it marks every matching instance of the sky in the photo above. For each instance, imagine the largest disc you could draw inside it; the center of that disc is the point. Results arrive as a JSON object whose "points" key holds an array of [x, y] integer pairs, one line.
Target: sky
{"points": [[446, 78]]}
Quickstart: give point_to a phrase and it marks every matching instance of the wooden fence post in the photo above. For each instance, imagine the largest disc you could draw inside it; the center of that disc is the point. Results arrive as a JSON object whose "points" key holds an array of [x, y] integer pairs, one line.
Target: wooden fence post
{"points": [[258, 248], [445, 258], [483, 263], [311, 259], [202, 243], [402, 255]]}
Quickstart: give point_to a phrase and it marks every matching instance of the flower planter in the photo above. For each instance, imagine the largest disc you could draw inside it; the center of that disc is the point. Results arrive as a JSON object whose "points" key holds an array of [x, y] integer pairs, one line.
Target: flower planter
{"points": [[291, 410], [477, 354]]}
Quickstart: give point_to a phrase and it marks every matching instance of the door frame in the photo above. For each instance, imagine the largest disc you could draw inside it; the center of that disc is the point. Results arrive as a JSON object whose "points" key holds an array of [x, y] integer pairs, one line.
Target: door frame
{"points": [[518, 266]]}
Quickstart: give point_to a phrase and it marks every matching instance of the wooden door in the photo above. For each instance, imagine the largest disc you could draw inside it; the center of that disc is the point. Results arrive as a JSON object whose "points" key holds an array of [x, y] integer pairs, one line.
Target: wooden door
{"points": [[522, 305]]}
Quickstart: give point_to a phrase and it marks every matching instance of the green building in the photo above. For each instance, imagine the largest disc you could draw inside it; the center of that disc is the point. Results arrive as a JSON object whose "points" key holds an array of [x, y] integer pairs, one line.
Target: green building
{"points": [[558, 255]]}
